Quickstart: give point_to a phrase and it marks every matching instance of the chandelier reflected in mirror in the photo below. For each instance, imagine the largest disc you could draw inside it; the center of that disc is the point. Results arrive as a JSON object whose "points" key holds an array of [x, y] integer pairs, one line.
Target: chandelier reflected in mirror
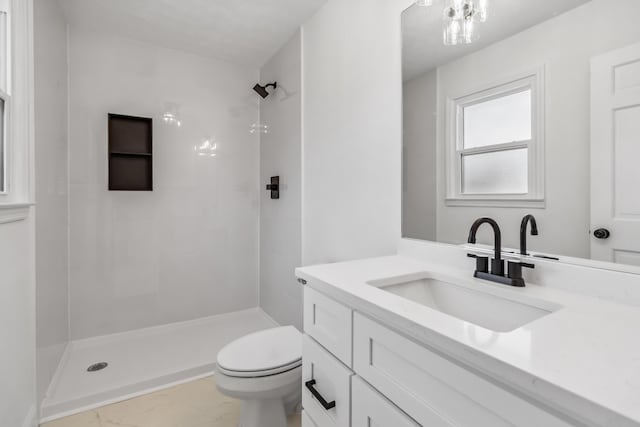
{"points": [[460, 19]]}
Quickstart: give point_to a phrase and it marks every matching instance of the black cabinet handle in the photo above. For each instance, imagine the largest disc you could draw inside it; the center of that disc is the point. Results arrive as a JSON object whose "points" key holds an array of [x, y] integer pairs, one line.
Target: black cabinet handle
{"points": [[326, 405], [602, 233]]}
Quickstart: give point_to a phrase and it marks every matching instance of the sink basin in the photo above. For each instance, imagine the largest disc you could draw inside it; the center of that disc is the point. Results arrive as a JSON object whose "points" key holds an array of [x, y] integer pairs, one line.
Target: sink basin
{"points": [[489, 310]]}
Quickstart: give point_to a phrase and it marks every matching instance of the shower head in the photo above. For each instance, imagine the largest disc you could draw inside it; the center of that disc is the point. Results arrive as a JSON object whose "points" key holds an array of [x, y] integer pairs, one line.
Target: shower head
{"points": [[262, 90]]}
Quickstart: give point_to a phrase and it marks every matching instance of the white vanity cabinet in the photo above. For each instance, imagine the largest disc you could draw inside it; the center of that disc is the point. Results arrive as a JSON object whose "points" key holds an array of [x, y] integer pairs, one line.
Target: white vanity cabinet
{"points": [[331, 383], [378, 377], [370, 408], [329, 323]]}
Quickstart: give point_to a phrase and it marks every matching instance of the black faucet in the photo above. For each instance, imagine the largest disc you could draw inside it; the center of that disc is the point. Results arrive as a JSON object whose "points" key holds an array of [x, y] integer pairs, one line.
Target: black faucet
{"points": [[497, 265], [523, 232], [514, 274]]}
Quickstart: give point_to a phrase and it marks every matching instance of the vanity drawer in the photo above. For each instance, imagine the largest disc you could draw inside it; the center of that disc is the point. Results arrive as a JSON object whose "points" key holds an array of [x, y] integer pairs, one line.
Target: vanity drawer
{"points": [[332, 383], [369, 408], [422, 383], [329, 323]]}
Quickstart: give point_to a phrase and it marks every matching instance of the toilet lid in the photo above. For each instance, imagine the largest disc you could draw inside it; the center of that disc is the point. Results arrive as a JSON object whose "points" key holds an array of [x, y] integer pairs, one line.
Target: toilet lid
{"points": [[267, 352]]}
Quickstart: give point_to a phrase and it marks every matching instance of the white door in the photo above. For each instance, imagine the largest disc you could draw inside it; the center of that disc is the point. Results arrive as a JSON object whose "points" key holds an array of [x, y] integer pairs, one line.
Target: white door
{"points": [[615, 156]]}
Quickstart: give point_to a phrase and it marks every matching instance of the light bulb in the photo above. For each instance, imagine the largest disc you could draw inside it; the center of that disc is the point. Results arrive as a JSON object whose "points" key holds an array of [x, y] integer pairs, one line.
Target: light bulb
{"points": [[457, 4], [483, 6], [468, 31], [452, 32]]}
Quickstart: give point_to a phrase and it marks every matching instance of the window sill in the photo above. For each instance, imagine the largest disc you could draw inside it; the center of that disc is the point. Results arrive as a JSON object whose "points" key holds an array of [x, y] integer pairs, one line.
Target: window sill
{"points": [[14, 212], [503, 203]]}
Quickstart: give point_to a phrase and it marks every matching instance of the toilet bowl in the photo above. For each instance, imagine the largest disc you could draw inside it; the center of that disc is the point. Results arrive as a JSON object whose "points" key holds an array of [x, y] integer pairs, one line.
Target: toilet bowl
{"points": [[264, 371]]}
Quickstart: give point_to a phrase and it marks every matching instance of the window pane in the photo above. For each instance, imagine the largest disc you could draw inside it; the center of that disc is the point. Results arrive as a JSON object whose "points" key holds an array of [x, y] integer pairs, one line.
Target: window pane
{"points": [[2, 145], [499, 172], [4, 60], [498, 121]]}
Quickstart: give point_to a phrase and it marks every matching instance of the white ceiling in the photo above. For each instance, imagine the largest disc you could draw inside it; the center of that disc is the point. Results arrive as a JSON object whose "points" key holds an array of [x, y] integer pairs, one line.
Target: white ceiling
{"points": [[423, 49], [242, 31]]}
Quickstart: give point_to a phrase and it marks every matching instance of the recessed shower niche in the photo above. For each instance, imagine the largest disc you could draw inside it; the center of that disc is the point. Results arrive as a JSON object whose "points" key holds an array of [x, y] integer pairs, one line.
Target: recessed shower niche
{"points": [[130, 153]]}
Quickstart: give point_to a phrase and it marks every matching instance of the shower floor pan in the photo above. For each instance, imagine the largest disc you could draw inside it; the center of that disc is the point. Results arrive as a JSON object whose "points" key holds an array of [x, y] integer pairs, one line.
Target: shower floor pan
{"points": [[142, 361]]}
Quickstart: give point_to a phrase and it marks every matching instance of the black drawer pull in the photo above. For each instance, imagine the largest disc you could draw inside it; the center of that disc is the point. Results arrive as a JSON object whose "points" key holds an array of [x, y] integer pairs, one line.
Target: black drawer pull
{"points": [[326, 405]]}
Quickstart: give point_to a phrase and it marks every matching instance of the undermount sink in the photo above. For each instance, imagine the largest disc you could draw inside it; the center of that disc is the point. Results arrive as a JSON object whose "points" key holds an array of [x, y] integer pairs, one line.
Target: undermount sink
{"points": [[488, 310]]}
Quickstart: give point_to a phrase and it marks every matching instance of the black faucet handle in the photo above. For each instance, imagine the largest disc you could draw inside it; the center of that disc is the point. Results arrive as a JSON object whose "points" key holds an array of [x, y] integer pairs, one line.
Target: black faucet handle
{"points": [[514, 272], [482, 263], [520, 264], [515, 269]]}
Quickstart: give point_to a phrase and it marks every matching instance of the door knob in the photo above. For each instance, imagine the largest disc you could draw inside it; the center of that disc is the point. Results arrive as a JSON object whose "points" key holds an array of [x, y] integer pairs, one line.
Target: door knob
{"points": [[602, 233]]}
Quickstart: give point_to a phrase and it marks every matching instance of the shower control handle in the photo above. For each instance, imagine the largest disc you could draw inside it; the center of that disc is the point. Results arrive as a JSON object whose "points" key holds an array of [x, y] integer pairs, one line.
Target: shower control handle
{"points": [[326, 405], [274, 187]]}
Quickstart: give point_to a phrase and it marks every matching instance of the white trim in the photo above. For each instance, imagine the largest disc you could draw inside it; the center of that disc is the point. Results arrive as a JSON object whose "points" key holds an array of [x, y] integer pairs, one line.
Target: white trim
{"points": [[6, 9], [506, 202], [14, 212], [19, 152], [4, 143], [5, 95], [533, 80]]}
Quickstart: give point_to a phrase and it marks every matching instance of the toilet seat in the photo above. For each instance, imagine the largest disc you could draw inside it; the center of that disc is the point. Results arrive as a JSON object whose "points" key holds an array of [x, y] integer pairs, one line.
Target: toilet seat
{"points": [[262, 354]]}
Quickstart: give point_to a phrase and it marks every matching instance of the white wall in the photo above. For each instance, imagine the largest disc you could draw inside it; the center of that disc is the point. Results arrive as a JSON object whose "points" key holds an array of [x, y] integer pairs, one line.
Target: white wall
{"points": [[280, 154], [419, 157], [17, 246], [564, 45], [52, 320], [189, 248], [352, 123], [17, 324]]}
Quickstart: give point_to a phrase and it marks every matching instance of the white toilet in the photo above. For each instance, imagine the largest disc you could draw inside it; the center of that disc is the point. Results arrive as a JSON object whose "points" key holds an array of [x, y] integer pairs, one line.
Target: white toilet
{"points": [[264, 370]]}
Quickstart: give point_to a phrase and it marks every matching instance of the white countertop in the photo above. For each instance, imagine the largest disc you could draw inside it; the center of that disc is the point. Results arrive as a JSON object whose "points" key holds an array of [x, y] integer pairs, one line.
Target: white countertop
{"points": [[584, 358]]}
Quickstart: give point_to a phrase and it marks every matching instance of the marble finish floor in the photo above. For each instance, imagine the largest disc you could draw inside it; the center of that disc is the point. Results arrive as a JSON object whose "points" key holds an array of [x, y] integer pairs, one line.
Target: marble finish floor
{"points": [[194, 404]]}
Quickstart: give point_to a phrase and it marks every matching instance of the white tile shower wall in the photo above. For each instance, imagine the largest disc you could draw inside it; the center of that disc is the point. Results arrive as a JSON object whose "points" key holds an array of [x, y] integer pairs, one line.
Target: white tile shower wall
{"points": [[352, 125], [280, 154], [188, 249], [52, 322]]}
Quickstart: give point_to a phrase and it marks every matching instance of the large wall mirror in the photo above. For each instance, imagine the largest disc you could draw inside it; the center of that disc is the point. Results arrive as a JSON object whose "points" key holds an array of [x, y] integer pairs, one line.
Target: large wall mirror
{"points": [[516, 107]]}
